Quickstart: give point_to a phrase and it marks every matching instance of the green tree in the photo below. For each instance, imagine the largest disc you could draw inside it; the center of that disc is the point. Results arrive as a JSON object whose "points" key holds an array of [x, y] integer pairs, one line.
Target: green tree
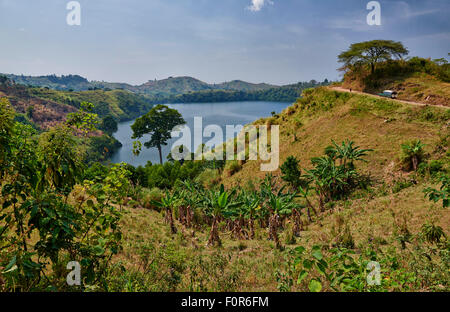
{"points": [[159, 123], [35, 203], [60, 160], [108, 124], [6, 131], [372, 52], [84, 120], [291, 172]]}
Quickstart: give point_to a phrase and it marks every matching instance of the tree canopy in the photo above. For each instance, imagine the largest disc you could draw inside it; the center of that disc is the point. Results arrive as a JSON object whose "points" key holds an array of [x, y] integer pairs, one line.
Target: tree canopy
{"points": [[109, 124], [372, 52], [159, 122]]}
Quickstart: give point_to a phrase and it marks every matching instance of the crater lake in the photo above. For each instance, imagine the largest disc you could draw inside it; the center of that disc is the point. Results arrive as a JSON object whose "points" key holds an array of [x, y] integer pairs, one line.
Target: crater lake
{"points": [[221, 114]]}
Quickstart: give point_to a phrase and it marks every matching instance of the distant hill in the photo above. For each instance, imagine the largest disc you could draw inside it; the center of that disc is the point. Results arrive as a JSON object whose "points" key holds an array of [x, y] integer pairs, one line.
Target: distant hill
{"points": [[173, 85], [46, 107], [239, 85], [69, 82], [164, 87]]}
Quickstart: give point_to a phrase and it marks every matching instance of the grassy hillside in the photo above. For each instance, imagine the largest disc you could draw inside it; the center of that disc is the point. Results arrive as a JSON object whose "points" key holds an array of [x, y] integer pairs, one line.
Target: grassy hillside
{"points": [[308, 126], [185, 85], [73, 82], [419, 80], [169, 86], [44, 112], [370, 219], [44, 109], [174, 85]]}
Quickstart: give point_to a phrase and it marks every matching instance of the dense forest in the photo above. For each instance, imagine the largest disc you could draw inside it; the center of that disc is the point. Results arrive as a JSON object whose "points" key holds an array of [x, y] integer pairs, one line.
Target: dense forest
{"points": [[288, 93]]}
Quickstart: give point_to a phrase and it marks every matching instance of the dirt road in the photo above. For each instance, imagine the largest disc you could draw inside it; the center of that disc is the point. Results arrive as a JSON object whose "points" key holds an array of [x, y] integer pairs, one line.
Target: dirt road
{"points": [[377, 96]]}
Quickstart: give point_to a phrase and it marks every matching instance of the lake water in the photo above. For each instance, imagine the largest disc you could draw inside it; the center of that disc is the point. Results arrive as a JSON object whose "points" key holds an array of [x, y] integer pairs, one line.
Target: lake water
{"points": [[222, 114]]}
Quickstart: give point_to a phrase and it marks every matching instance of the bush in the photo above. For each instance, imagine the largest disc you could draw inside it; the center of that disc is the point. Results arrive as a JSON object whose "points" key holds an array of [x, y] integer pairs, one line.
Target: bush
{"points": [[147, 196], [401, 185], [208, 178], [291, 172], [432, 168], [232, 167]]}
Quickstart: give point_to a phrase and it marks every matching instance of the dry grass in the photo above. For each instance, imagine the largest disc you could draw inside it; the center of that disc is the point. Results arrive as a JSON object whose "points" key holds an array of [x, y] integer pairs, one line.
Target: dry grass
{"points": [[420, 87], [383, 131]]}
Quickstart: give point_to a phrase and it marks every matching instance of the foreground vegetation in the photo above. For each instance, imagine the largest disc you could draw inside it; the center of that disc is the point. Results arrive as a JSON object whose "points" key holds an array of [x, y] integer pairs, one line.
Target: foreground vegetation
{"points": [[308, 229], [359, 203]]}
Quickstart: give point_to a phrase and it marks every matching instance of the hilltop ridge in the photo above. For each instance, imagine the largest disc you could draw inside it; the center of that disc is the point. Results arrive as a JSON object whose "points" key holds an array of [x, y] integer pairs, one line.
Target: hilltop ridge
{"points": [[168, 86]]}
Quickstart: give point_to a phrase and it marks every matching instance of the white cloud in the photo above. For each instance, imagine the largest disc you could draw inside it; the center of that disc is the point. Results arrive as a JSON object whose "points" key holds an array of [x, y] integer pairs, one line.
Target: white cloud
{"points": [[257, 5]]}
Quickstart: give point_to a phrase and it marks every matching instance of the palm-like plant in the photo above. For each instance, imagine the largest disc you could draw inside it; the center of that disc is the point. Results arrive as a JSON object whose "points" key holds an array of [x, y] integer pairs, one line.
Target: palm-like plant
{"points": [[218, 204], [329, 180], [304, 192], [190, 195], [251, 206], [346, 153], [168, 202], [433, 233], [413, 153], [281, 205]]}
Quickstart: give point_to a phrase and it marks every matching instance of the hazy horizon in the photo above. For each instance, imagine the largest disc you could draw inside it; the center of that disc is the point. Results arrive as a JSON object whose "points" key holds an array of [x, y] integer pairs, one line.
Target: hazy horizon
{"points": [[259, 41]]}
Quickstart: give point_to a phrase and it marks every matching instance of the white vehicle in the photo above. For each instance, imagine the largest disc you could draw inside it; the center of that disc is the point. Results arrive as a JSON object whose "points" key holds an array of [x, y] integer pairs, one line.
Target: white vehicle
{"points": [[389, 94]]}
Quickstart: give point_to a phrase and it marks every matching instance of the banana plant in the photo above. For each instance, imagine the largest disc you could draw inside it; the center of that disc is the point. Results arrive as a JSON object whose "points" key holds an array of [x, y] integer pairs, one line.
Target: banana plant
{"points": [[304, 192], [251, 203], [190, 196], [168, 202], [281, 205], [413, 153], [218, 204], [346, 152]]}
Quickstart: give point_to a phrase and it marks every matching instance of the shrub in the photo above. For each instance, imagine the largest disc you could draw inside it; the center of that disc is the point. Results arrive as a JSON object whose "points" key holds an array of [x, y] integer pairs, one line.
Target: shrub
{"points": [[232, 167], [291, 172], [147, 196], [432, 233], [208, 178], [401, 185], [441, 194], [432, 168]]}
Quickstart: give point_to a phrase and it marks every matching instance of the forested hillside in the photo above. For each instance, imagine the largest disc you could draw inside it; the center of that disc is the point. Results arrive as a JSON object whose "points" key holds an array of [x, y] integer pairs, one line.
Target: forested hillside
{"points": [[176, 89], [44, 109], [50, 106]]}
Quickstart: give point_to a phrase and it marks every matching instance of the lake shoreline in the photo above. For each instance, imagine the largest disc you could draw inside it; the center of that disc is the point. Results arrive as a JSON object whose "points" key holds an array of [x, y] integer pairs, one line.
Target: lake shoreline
{"points": [[214, 113]]}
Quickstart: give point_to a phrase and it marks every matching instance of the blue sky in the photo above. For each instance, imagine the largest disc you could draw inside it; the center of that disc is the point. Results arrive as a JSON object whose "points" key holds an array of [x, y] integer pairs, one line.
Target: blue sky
{"points": [[277, 41]]}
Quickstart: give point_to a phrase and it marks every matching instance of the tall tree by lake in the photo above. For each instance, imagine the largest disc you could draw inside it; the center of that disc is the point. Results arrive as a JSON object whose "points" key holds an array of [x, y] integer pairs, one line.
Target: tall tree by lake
{"points": [[158, 122]]}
